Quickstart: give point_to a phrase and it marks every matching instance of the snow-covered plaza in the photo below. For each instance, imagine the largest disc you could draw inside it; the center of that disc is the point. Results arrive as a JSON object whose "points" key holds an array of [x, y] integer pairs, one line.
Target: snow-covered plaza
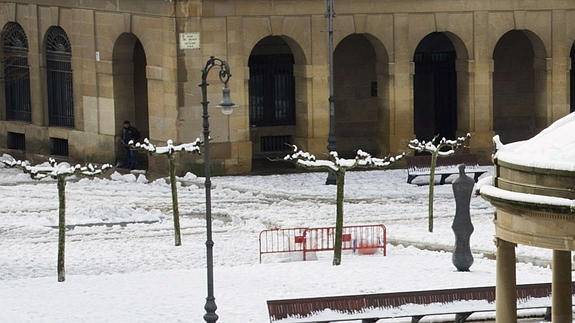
{"points": [[122, 266]]}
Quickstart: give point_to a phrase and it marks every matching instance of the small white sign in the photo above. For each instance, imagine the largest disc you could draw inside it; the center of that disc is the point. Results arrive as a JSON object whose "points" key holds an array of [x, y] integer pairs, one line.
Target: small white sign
{"points": [[97, 56], [189, 40]]}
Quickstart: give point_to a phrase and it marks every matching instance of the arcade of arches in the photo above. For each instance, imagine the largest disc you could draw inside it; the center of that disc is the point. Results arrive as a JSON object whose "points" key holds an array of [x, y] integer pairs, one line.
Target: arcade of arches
{"points": [[71, 76]]}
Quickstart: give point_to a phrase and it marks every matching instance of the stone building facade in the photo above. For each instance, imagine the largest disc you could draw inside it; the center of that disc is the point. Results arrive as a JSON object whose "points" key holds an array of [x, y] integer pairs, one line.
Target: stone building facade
{"points": [[74, 70]]}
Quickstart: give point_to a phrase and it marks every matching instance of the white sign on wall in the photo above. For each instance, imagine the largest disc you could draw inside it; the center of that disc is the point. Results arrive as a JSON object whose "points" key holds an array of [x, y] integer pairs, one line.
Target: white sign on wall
{"points": [[189, 40]]}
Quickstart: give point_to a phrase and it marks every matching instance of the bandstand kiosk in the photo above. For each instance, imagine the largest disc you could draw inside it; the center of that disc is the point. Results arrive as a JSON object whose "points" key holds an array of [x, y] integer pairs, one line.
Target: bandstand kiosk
{"points": [[533, 191]]}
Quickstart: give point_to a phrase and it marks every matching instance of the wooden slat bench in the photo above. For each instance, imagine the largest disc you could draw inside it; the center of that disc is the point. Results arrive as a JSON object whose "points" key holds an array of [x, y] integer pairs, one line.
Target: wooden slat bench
{"points": [[446, 166], [282, 309]]}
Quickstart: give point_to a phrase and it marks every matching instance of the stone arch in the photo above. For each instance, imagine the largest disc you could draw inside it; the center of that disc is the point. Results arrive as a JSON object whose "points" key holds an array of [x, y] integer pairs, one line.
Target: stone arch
{"points": [[15, 73], [441, 86], [130, 89], [519, 85], [277, 86], [361, 95]]}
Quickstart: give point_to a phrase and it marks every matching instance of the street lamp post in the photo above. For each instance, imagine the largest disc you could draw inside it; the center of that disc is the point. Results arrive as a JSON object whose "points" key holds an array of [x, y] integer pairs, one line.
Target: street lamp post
{"points": [[330, 14], [227, 108]]}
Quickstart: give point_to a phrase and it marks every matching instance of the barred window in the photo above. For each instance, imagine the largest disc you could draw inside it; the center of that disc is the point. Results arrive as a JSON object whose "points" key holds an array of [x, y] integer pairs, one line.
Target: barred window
{"points": [[16, 73], [59, 78], [272, 90]]}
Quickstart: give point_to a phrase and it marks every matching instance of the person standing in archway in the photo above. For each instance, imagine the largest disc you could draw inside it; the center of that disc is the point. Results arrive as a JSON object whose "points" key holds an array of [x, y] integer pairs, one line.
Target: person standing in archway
{"points": [[129, 133]]}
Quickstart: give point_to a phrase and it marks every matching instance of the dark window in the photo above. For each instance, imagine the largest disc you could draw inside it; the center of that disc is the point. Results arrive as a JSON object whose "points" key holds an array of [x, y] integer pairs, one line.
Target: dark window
{"points": [[374, 89], [275, 143], [59, 78], [272, 90], [16, 141], [16, 73], [59, 147]]}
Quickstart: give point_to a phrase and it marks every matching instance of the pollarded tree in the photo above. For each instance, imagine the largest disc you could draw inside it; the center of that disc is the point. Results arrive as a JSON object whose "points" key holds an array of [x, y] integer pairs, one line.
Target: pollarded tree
{"points": [[437, 149], [170, 151], [339, 166], [60, 172]]}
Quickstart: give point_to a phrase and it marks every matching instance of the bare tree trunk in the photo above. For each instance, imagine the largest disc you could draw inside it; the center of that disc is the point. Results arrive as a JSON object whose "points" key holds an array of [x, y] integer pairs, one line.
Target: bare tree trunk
{"points": [[431, 188], [61, 226], [340, 181], [175, 208]]}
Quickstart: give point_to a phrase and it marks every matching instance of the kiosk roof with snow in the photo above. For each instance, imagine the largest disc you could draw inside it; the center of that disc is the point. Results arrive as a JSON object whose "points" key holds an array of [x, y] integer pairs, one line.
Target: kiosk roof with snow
{"points": [[533, 191]]}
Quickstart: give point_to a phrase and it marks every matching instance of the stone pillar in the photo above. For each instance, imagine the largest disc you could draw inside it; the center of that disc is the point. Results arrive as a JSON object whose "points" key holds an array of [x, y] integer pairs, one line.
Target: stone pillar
{"points": [[561, 311], [506, 289], [402, 70], [481, 99]]}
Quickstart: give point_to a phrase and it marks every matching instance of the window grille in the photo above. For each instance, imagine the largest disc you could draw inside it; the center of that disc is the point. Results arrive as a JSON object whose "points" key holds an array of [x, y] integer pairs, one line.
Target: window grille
{"points": [[59, 78], [16, 141], [16, 73], [59, 147], [275, 143], [272, 90]]}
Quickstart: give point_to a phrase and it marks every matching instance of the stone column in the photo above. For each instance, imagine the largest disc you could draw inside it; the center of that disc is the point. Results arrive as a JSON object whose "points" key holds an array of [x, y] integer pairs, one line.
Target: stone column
{"points": [[561, 311], [506, 289]]}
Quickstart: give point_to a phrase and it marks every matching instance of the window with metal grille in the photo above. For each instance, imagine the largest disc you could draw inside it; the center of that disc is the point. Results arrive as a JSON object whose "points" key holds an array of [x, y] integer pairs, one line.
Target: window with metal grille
{"points": [[59, 147], [16, 141], [275, 143], [272, 90], [59, 78], [16, 73]]}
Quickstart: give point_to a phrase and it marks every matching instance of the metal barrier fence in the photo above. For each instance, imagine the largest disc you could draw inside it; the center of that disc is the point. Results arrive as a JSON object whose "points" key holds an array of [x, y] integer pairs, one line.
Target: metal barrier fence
{"points": [[366, 239]]}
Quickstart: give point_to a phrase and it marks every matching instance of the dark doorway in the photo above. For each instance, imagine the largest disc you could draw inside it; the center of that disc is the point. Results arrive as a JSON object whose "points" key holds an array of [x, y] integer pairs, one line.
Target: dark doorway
{"points": [[518, 87], [356, 96], [272, 101], [435, 88], [130, 91]]}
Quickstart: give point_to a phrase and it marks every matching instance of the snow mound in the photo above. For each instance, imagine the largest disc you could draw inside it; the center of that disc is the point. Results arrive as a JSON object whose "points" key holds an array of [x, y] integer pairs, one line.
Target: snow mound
{"points": [[128, 178], [142, 179], [108, 214], [552, 148]]}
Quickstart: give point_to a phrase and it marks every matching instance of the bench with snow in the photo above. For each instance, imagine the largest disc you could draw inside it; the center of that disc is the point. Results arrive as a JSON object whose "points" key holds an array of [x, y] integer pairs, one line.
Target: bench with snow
{"points": [[371, 308], [446, 166]]}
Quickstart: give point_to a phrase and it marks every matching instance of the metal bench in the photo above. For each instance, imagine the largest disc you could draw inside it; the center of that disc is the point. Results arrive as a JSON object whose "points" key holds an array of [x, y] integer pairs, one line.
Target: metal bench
{"points": [[282, 309], [446, 166]]}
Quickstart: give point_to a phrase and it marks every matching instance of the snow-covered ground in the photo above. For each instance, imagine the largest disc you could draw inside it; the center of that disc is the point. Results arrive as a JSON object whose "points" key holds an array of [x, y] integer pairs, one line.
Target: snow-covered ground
{"points": [[122, 266]]}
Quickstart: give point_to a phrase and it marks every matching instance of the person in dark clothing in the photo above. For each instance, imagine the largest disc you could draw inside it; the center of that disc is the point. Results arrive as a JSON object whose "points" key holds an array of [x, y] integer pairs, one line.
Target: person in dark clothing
{"points": [[129, 133]]}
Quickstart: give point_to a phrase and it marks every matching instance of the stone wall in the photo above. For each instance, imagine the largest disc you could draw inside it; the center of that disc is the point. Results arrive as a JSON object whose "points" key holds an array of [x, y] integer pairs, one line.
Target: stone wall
{"points": [[231, 29]]}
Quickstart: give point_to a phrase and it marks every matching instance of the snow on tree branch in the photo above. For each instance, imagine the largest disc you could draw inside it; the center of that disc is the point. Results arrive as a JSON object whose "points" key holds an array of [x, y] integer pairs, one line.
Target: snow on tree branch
{"points": [[334, 163], [53, 169], [435, 146], [169, 149]]}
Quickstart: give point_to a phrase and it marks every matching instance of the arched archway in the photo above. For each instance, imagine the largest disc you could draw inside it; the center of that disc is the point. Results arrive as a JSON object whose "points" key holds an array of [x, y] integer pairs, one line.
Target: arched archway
{"points": [[277, 97], [435, 88], [16, 73], [519, 86], [360, 81], [130, 89]]}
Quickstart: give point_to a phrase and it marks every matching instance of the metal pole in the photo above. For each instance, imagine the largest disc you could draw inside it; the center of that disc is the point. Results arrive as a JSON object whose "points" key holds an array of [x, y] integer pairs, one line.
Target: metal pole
{"points": [[331, 143], [224, 75], [210, 307]]}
